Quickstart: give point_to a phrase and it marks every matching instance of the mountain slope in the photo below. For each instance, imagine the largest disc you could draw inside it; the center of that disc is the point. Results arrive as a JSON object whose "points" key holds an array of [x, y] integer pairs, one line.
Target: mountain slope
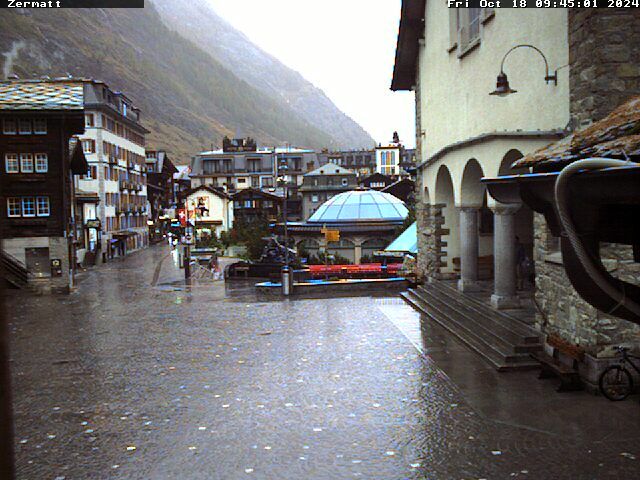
{"points": [[197, 21], [188, 99]]}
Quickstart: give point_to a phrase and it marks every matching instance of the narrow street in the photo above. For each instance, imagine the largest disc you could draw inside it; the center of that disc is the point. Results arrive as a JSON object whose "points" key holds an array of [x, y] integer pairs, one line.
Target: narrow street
{"points": [[137, 377]]}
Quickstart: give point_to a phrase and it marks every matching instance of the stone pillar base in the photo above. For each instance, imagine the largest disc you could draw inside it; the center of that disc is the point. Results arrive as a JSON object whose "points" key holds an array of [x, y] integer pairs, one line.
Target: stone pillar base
{"points": [[500, 302], [468, 286]]}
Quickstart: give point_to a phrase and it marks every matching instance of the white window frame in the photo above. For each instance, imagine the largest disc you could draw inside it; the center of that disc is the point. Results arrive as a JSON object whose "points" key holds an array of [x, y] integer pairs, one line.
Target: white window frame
{"points": [[46, 203], [314, 198], [38, 124], [9, 159], [26, 159], [25, 200], [14, 202], [44, 158], [24, 121], [8, 130]]}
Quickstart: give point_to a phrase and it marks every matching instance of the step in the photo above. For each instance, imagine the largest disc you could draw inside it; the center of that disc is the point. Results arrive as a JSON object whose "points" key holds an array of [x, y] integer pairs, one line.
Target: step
{"points": [[485, 320], [488, 354], [528, 334], [503, 349], [491, 332]]}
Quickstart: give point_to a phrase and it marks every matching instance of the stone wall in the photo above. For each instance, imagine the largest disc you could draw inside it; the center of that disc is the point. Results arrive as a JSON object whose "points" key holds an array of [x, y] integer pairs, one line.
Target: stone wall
{"points": [[430, 221], [564, 313], [604, 60]]}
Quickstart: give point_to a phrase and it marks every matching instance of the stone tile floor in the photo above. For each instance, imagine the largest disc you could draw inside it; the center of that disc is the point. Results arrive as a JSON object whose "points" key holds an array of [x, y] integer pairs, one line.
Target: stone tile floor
{"points": [[125, 380]]}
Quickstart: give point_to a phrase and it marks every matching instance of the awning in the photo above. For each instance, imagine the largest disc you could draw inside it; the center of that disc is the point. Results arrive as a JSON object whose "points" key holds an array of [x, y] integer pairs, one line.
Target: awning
{"points": [[407, 242]]}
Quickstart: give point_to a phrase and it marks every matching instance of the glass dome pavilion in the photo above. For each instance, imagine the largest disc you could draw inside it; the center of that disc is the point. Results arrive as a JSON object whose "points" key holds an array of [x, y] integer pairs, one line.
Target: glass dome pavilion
{"points": [[358, 206]]}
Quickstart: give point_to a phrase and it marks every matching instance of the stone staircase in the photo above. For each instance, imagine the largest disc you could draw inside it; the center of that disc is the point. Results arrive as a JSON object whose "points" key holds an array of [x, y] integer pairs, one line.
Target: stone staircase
{"points": [[13, 271], [503, 341]]}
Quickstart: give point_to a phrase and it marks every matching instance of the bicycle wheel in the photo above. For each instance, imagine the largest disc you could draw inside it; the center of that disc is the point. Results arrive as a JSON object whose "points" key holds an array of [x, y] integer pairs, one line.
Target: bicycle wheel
{"points": [[616, 383]]}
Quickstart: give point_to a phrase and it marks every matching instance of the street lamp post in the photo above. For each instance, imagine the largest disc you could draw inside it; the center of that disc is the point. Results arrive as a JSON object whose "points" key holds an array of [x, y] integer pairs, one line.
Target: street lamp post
{"points": [[282, 177]]}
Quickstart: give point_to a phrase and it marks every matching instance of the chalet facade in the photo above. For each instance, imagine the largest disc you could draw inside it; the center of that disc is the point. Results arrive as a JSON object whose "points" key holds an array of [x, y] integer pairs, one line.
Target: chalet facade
{"points": [[212, 210], [252, 204], [37, 180]]}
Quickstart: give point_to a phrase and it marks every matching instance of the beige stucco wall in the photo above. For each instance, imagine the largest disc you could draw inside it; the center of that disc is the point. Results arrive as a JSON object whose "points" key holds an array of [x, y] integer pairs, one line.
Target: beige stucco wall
{"points": [[456, 104], [220, 209]]}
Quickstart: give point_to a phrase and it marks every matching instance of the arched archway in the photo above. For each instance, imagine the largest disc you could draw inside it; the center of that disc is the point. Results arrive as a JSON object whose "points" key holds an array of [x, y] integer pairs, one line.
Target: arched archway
{"points": [[372, 245], [343, 248], [507, 160], [472, 190], [514, 245], [444, 195]]}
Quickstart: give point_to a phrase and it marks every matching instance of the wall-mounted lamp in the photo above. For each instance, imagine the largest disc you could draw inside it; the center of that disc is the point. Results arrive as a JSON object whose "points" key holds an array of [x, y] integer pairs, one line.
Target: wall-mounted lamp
{"points": [[502, 85]]}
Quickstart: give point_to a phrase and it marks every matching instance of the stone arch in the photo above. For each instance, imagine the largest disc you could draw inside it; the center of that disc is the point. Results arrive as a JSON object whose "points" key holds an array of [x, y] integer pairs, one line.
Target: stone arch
{"points": [[372, 245], [344, 247], [445, 196], [524, 216], [472, 191]]}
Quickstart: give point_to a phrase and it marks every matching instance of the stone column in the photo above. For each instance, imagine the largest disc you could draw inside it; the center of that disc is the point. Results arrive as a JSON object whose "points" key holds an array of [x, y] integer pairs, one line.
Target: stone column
{"points": [[357, 253], [504, 253], [468, 249]]}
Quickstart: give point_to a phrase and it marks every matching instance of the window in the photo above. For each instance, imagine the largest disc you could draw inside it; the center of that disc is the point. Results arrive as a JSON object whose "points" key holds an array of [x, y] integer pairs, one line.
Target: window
{"points": [[267, 204], [26, 163], [11, 163], [255, 182], [89, 120], [40, 126], [9, 127], [28, 207], [89, 146], [42, 163], [43, 206], [24, 127], [248, 204], [314, 198], [13, 207], [464, 28], [242, 180]]}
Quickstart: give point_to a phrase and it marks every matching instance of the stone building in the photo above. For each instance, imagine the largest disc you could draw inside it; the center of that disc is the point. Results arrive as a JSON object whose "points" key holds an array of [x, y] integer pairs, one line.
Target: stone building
{"points": [[590, 67]]}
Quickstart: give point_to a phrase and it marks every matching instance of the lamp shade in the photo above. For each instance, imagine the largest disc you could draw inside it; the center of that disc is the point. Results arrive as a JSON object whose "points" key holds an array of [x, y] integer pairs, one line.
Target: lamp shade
{"points": [[502, 86]]}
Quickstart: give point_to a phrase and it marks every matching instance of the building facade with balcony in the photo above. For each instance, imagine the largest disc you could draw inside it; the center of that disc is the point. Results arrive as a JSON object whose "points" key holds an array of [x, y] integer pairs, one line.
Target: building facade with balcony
{"points": [[363, 162], [114, 144], [160, 192]]}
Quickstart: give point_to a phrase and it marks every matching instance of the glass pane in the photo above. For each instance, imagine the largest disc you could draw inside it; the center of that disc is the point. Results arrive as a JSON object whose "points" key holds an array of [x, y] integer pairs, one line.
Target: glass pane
{"points": [[349, 212], [369, 211]]}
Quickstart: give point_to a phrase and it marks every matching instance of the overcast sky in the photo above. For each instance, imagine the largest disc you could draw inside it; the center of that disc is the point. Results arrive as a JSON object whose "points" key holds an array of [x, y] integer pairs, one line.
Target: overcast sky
{"points": [[344, 47]]}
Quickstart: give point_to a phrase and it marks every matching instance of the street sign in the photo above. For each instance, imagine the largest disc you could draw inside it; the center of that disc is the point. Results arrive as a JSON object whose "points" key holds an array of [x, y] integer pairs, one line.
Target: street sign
{"points": [[331, 235]]}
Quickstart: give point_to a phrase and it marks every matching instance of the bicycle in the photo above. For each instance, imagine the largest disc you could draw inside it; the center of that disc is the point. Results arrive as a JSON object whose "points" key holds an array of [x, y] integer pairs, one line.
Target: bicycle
{"points": [[616, 382]]}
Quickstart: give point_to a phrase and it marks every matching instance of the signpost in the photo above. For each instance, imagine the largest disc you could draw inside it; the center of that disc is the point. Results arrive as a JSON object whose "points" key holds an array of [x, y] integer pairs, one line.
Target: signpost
{"points": [[329, 236]]}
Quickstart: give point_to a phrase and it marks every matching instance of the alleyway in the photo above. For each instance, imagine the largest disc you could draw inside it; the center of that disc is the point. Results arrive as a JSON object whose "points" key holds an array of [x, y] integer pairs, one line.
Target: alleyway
{"points": [[136, 377]]}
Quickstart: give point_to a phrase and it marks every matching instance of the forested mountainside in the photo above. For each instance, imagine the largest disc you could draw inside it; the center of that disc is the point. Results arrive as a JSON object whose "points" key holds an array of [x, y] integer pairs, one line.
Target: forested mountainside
{"points": [[189, 99]]}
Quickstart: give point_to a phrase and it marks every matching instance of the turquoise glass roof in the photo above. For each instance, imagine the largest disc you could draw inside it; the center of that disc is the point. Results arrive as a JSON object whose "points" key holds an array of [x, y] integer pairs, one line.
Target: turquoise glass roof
{"points": [[406, 242], [360, 206]]}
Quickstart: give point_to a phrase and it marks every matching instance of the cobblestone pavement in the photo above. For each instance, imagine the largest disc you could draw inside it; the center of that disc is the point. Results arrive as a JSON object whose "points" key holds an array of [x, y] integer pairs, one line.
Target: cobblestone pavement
{"points": [[125, 380]]}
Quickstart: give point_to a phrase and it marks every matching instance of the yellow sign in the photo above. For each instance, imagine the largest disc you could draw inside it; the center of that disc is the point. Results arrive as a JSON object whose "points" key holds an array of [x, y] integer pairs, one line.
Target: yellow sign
{"points": [[331, 235]]}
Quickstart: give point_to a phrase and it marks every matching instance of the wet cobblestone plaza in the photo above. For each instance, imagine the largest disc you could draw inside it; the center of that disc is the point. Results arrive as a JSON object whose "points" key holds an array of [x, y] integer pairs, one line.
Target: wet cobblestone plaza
{"points": [[137, 377]]}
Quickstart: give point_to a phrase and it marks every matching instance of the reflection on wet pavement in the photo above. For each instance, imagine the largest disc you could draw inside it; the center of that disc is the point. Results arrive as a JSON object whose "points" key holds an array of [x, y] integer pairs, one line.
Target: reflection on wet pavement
{"points": [[207, 381]]}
